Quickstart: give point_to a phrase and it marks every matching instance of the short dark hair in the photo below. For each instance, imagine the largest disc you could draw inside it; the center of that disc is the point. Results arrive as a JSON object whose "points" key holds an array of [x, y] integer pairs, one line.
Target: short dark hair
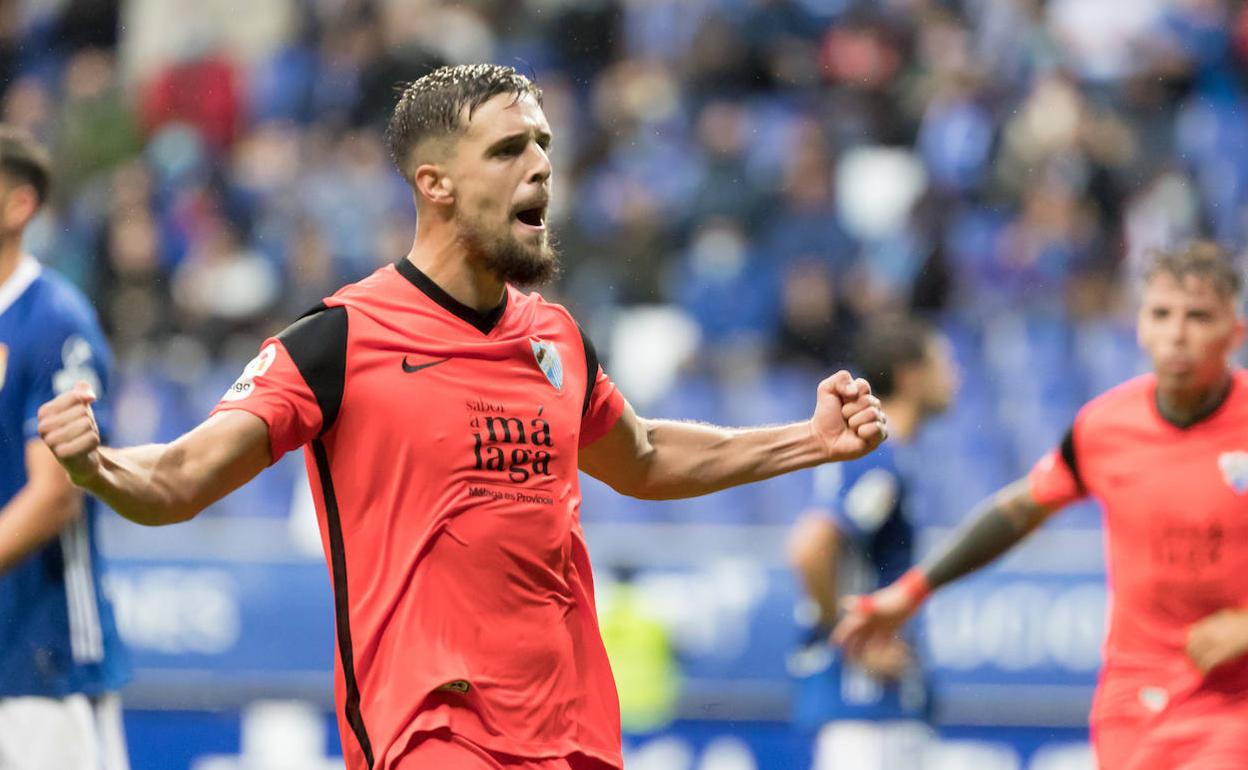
{"points": [[432, 105], [23, 161], [1203, 259], [888, 345]]}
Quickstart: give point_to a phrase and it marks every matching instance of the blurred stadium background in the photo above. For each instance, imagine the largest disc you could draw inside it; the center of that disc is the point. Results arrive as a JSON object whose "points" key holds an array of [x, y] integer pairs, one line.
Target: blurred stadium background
{"points": [[740, 186]]}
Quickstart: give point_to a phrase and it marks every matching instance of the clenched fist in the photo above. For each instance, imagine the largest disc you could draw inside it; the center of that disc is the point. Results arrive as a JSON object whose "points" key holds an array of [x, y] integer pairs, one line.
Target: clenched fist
{"points": [[67, 425], [848, 421]]}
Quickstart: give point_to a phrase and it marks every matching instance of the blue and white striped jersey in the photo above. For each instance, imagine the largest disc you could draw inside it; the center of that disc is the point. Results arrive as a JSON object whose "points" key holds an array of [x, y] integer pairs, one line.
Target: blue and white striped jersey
{"points": [[57, 634]]}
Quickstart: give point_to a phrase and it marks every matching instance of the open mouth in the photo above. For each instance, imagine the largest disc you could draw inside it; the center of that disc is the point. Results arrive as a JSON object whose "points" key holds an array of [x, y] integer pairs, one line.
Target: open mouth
{"points": [[533, 217]]}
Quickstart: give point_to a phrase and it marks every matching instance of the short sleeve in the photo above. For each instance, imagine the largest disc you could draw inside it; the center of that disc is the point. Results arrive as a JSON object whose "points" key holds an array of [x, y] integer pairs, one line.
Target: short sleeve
{"points": [[603, 403], [295, 384], [857, 500], [1054, 479], [603, 410], [70, 352]]}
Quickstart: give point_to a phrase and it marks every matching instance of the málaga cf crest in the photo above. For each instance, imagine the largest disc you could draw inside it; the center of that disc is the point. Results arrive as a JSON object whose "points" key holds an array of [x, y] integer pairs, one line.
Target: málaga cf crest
{"points": [[1234, 466], [548, 361]]}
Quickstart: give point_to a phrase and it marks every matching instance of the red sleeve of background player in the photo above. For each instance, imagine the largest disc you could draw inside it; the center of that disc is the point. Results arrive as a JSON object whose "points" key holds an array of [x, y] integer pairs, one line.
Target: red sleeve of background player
{"points": [[603, 402], [295, 384], [1055, 479]]}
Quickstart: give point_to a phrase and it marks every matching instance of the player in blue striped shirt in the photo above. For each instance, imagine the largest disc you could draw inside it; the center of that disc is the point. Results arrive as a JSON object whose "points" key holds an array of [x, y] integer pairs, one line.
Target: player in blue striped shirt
{"points": [[857, 534], [61, 662]]}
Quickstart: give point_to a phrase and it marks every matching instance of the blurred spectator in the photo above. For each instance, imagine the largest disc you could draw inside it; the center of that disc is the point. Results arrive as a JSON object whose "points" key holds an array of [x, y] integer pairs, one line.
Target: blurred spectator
{"points": [[201, 91]]}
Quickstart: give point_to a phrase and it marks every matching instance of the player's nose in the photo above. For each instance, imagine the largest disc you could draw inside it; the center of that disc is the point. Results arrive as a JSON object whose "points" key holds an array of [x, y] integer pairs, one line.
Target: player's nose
{"points": [[542, 168]]}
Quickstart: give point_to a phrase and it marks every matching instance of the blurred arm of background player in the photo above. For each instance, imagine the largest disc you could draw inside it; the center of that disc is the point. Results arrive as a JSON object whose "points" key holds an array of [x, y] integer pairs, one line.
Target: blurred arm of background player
{"points": [[996, 526], [168, 483], [40, 510], [814, 553], [666, 459], [156, 483]]}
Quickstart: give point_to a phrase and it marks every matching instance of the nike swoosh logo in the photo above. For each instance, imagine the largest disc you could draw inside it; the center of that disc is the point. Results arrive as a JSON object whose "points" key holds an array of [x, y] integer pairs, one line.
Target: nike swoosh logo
{"points": [[413, 369]]}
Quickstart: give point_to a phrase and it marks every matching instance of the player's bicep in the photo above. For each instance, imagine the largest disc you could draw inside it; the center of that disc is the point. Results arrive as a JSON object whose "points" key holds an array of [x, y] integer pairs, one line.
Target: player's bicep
{"points": [[619, 457], [219, 455]]}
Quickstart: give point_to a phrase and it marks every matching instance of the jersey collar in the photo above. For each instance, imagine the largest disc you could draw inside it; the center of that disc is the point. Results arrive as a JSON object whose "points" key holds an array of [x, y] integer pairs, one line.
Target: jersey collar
{"points": [[1205, 413], [482, 322], [15, 285]]}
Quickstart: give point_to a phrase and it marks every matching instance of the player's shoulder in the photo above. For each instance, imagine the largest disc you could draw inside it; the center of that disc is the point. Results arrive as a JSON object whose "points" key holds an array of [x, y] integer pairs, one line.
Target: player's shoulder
{"points": [[318, 338], [1126, 400], [833, 478], [57, 303], [532, 309], [534, 302]]}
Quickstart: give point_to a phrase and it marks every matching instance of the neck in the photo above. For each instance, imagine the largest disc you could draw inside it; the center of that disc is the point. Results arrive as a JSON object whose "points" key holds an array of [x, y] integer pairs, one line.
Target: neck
{"points": [[904, 417], [1186, 407], [440, 254], [10, 253]]}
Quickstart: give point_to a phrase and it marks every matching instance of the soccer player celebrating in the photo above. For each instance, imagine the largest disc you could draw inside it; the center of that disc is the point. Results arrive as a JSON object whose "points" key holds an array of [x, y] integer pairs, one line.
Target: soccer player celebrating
{"points": [[858, 533], [444, 416], [60, 657], [1165, 454]]}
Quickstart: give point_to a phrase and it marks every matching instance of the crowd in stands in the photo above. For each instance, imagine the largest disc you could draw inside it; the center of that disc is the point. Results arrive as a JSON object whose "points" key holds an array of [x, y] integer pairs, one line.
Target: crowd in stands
{"points": [[772, 173]]}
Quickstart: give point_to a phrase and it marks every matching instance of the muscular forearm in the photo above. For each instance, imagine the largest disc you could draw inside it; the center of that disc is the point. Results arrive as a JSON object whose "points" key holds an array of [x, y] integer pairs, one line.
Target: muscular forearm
{"points": [[690, 459], [147, 484], [32, 517], [995, 527]]}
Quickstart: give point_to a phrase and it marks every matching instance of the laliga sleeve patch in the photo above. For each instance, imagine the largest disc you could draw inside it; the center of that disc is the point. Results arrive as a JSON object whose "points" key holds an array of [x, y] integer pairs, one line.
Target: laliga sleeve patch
{"points": [[871, 500], [246, 382], [75, 366]]}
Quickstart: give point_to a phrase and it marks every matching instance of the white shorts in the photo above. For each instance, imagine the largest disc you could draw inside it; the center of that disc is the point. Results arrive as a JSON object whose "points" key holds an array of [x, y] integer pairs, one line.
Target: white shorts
{"points": [[72, 733], [864, 745]]}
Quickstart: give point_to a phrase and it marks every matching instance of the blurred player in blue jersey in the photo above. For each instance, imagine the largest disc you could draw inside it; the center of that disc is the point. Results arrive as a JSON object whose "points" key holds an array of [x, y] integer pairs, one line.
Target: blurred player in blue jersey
{"points": [[60, 658], [870, 712]]}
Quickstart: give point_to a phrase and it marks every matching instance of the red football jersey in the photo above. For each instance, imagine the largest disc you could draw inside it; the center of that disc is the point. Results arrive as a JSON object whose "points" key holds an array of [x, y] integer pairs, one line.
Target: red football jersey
{"points": [[1175, 504], [441, 445]]}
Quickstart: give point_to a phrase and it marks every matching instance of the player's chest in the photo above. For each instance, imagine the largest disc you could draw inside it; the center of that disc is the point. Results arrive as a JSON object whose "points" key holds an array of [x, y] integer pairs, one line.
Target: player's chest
{"points": [[509, 408], [1185, 487], [10, 351]]}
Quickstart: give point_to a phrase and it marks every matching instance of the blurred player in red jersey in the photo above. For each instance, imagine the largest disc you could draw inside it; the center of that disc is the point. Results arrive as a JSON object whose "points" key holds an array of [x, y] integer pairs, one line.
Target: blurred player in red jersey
{"points": [[444, 415], [1166, 454]]}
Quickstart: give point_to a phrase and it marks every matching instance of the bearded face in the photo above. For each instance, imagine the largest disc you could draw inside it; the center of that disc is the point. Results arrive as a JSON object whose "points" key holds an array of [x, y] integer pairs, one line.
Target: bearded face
{"points": [[521, 259]]}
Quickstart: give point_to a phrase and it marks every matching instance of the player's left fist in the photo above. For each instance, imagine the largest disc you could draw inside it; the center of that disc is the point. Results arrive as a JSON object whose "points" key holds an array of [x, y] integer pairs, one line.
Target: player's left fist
{"points": [[848, 421], [1219, 638]]}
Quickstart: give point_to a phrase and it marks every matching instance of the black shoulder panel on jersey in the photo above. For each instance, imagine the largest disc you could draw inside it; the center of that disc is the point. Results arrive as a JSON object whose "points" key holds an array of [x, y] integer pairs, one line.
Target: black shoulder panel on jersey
{"points": [[1068, 455], [317, 343], [591, 369]]}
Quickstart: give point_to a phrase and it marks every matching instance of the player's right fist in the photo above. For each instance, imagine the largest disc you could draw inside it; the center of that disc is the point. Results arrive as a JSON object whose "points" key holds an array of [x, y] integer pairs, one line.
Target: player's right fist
{"points": [[67, 425]]}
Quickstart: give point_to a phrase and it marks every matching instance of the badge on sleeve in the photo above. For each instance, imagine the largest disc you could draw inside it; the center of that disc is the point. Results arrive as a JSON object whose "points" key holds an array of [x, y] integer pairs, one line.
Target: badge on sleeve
{"points": [[75, 367], [1234, 466], [548, 361], [246, 381]]}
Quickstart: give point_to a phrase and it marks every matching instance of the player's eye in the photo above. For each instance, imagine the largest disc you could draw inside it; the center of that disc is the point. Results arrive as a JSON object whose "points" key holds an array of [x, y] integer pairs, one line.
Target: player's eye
{"points": [[509, 150]]}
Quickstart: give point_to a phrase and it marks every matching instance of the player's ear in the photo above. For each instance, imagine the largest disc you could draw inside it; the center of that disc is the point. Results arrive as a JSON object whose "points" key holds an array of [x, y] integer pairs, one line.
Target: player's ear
{"points": [[433, 184]]}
